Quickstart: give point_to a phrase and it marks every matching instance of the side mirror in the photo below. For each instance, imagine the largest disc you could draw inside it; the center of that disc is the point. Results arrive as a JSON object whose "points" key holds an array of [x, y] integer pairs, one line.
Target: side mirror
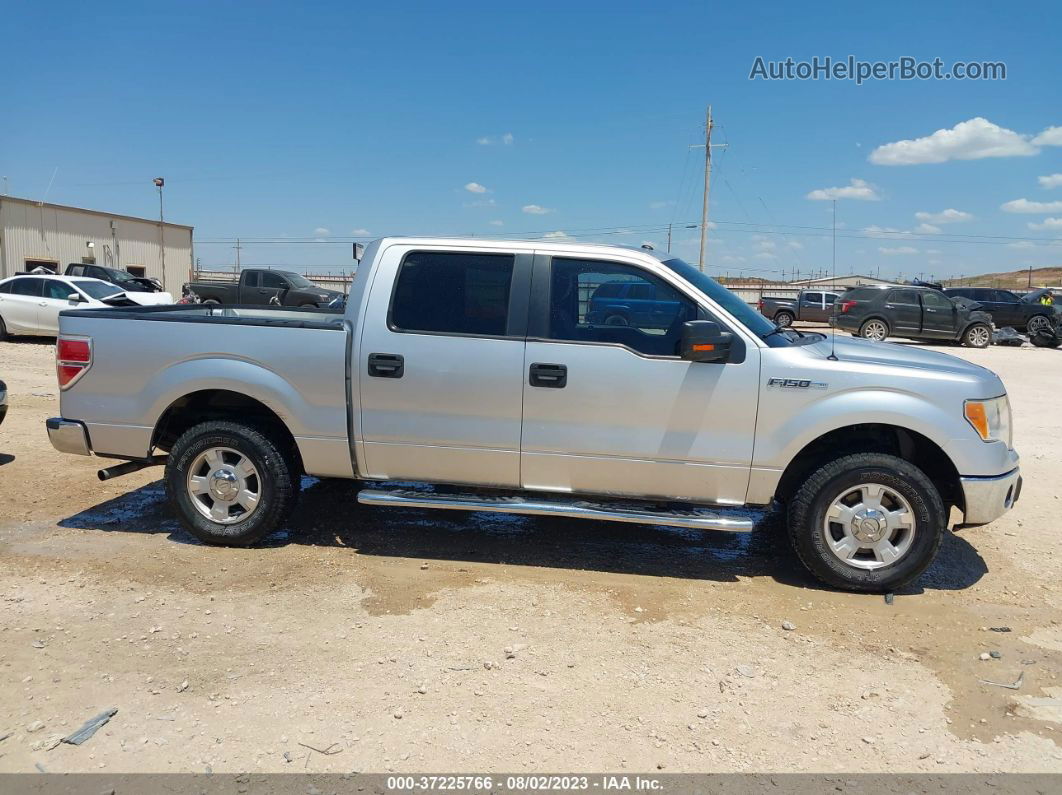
{"points": [[74, 298], [704, 341]]}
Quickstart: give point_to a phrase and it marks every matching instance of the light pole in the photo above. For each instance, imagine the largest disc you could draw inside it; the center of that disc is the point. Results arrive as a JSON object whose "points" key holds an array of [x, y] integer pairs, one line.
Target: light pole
{"points": [[159, 182]]}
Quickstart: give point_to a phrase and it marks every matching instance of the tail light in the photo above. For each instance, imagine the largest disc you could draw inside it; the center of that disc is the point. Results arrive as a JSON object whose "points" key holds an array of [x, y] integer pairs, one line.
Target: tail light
{"points": [[759, 305], [73, 357], [846, 305]]}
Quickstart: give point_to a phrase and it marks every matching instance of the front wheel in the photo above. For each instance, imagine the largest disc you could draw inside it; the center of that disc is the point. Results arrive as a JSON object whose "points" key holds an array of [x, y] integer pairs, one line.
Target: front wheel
{"points": [[978, 335], [1039, 324], [3, 331], [213, 301], [230, 483], [783, 319], [867, 522]]}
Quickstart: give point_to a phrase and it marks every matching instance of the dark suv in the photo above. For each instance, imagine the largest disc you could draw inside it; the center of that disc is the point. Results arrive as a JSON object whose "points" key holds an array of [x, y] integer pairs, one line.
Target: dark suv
{"points": [[875, 313], [1006, 308]]}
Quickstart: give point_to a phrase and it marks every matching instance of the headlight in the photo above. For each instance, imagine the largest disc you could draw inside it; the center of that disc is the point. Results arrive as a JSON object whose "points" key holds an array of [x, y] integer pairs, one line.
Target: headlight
{"points": [[990, 418]]}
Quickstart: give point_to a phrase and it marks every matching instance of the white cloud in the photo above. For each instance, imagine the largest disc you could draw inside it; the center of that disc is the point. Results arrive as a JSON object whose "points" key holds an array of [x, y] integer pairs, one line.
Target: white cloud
{"points": [[766, 245], [794, 244], [927, 229], [475, 187], [321, 231], [1052, 136], [856, 189], [967, 140], [660, 205], [360, 232], [766, 255], [897, 251], [490, 140], [481, 203], [949, 216], [881, 231], [1050, 224], [497, 223], [1026, 206], [1024, 244], [1050, 181], [558, 235], [535, 209]]}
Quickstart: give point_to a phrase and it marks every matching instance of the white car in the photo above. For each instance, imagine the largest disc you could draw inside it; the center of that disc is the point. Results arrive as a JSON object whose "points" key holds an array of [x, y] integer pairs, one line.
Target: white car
{"points": [[30, 304]]}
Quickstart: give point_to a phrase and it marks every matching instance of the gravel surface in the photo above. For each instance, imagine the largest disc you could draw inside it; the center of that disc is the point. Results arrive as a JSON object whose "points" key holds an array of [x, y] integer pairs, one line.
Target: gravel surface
{"points": [[400, 640]]}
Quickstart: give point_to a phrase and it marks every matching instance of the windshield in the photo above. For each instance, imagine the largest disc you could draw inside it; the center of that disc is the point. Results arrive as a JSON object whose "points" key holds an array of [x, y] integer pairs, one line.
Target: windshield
{"points": [[116, 275], [97, 290], [749, 317], [298, 281]]}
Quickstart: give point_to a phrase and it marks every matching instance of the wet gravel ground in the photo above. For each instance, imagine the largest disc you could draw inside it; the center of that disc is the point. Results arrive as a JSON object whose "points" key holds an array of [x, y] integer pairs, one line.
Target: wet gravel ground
{"points": [[416, 640]]}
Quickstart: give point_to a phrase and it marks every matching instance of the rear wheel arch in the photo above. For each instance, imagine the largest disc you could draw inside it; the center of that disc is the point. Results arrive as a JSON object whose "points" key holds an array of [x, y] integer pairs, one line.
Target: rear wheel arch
{"points": [[207, 405]]}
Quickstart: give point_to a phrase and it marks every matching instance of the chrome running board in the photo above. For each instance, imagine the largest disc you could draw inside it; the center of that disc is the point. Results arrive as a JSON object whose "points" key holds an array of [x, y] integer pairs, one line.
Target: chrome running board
{"points": [[739, 520]]}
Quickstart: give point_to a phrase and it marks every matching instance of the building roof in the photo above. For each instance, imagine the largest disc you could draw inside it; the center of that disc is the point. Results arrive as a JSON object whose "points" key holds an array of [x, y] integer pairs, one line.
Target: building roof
{"points": [[842, 277], [36, 203]]}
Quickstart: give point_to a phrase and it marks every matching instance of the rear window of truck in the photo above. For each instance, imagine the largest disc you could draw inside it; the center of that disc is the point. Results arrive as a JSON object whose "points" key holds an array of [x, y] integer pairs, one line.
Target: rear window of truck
{"points": [[453, 293]]}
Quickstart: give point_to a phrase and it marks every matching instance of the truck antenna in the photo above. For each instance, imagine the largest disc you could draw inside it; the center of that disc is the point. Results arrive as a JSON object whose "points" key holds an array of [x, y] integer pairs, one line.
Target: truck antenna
{"points": [[833, 326]]}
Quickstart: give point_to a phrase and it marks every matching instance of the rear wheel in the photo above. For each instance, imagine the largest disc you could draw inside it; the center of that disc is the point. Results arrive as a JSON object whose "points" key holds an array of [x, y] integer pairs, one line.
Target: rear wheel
{"points": [[3, 331], [867, 522], [978, 335], [874, 329], [616, 320], [214, 301], [231, 483], [783, 319]]}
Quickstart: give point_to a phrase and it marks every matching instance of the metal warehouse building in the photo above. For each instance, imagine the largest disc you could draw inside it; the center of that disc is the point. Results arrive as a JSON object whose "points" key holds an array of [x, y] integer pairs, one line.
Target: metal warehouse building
{"points": [[37, 234]]}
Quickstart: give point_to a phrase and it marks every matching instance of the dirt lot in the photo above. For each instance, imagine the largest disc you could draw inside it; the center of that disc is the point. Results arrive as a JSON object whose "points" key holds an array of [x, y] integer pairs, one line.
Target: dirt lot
{"points": [[412, 641]]}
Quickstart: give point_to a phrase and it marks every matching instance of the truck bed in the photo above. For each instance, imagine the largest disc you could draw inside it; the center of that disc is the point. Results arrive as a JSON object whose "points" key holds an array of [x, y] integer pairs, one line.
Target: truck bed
{"points": [[146, 359]]}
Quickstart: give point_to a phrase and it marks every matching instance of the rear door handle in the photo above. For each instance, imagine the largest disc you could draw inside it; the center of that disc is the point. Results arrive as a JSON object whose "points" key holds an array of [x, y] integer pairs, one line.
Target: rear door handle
{"points": [[386, 365], [551, 376]]}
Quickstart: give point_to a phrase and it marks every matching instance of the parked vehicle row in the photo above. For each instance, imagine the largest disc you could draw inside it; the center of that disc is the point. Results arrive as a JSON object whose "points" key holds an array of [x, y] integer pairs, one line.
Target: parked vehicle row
{"points": [[140, 289], [1006, 308], [484, 372], [881, 311]]}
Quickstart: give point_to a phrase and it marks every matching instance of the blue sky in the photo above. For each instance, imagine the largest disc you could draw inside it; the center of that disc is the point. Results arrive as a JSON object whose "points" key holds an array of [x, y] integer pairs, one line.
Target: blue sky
{"points": [[323, 121]]}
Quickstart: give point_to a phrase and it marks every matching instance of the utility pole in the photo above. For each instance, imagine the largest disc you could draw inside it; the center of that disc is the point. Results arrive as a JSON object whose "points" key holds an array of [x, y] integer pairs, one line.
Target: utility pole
{"points": [[669, 238], [237, 247], [1030, 277], [708, 124], [159, 182]]}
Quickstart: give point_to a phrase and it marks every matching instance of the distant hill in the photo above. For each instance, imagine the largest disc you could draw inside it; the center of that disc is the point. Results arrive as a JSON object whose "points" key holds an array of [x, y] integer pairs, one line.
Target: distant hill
{"points": [[1012, 280]]}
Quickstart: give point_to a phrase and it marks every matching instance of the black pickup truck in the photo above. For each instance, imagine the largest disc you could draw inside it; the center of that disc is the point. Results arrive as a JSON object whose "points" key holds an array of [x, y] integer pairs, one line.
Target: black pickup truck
{"points": [[263, 286], [1007, 309], [810, 305]]}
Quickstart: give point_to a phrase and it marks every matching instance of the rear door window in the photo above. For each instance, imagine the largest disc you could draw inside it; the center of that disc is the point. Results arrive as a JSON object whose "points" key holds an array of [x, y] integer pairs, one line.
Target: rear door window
{"points": [[31, 287], [903, 297], [60, 291], [453, 293]]}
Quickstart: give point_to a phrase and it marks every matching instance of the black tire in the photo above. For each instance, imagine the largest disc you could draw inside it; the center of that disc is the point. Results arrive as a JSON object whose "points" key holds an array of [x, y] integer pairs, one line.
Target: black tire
{"points": [[784, 319], [3, 331], [807, 514], [276, 463], [1045, 340], [979, 335], [212, 301], [863, 329], [616, 320], [1037, 322]]}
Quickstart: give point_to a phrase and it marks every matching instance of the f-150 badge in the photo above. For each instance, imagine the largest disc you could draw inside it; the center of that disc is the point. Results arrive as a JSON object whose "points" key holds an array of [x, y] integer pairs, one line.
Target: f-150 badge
{"points": [[796, 383]]}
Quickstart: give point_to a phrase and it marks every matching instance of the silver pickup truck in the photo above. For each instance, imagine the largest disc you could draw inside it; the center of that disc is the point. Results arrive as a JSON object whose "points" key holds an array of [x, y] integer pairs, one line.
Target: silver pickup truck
{"points": [[470, 375]]}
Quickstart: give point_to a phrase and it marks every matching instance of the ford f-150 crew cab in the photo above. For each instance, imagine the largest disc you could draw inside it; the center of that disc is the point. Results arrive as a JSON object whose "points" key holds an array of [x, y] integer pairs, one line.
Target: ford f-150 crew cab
{"points": [[475, 369]]}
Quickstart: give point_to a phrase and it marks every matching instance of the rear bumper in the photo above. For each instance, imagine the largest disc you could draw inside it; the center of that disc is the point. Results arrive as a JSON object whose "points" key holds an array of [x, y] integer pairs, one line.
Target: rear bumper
{"points": [[988, 498], [68, 436]]}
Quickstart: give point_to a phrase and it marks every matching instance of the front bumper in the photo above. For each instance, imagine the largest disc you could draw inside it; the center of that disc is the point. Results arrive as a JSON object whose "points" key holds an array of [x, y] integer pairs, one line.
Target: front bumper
{"points": [[988, 498], [68, 436]]}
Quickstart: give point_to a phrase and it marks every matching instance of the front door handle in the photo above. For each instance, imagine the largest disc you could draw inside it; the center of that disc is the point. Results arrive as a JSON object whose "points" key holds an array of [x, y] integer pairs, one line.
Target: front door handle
{"points": [[551, 376], [386, 365]]}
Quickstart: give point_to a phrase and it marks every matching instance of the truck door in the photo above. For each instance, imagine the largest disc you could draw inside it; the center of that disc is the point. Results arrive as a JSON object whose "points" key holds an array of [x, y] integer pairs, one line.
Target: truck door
{"points": [[613, 409], [904, 312], [271, 285], [811, 307], [440, 366], [939, 319]]}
